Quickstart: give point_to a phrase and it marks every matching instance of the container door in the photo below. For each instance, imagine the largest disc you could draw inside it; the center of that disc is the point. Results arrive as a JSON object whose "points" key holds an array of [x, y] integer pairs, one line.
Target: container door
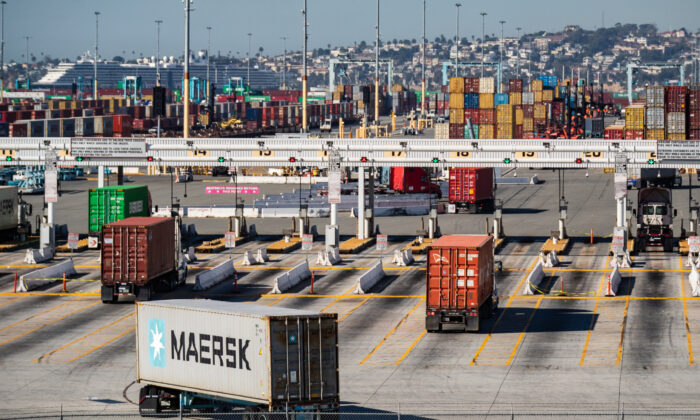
{"points": [[470, 266], [287, 337], [320, 357]]}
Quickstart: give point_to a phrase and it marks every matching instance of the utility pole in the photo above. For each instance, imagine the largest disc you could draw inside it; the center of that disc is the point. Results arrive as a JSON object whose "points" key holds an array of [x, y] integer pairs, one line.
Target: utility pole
{"points": [[186, 79], [208, 52], [97, 54], [284, 64], [26, 58], [250, 38], [376, 73], [500, 61], [483, 34], [158, 22], [518, 49], [2, 51], [304, 93], [422, 100], [457, 42]]}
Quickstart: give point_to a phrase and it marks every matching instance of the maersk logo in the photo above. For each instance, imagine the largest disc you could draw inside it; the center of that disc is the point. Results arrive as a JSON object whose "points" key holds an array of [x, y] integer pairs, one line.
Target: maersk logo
{"points": [[156, 342]]}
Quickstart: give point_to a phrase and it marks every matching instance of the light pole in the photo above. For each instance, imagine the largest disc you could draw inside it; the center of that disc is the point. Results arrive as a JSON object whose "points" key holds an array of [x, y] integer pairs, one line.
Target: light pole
{"points": [[457, 42], [483, 34], [250, 37], [186, 78], [304, 94], [208, 50], [518, 49], [376, 73], [500, 48], [284, 64], [158, 22], [26, 59], [2, 50], [97, 33], [422, 96]]}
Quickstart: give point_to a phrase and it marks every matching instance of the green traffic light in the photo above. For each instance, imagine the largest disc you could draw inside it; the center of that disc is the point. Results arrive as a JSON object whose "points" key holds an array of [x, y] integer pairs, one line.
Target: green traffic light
{"points": [[221, 159], [436, 160], [79, 158], [8, 158], [651, 161], [506, 160]]}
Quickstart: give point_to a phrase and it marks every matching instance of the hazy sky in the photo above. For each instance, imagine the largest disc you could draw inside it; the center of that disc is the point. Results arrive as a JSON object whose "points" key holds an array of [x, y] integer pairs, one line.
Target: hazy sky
{"points": [[66, 28]]}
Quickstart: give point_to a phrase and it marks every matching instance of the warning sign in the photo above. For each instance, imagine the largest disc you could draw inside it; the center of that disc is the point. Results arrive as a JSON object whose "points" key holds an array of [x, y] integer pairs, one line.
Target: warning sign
{"points": [[73, 240], [230, 239], [694, 243], [382, 242], [307, 242]]}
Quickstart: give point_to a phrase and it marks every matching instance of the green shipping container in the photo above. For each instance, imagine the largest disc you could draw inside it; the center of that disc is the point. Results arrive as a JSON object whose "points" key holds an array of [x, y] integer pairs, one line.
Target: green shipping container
{"points": [[117, 202]]}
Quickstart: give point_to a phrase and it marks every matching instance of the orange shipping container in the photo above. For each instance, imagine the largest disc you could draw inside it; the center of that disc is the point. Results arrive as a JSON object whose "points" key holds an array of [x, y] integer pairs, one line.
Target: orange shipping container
{"points": [[537, 85], [485, 101], [456, 116], [486, 131], [540, 111], [515, 98], [457, 86], [456, 101]]}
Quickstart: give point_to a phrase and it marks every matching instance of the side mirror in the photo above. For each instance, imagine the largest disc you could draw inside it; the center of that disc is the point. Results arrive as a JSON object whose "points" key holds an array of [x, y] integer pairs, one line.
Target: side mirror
{"points": [[634, 212]]}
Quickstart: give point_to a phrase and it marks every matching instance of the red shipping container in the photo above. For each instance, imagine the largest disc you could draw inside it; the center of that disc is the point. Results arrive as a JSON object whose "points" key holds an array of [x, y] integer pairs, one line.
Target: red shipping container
{"points": [[456, 131], [138, 250], [515, 85], [122, 125], [459, 281], [694, 100], [471, 114], [472, 189], [614, 133], [676, 98], [18, 130], [693, 119], [411, 181], [634, 134], [694, 134], [518, 132], [528, 111], [487, 116]]}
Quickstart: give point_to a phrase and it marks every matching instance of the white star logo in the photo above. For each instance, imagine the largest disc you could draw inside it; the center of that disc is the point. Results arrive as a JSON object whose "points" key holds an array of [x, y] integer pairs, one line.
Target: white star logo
{"points": [[156, 342]]}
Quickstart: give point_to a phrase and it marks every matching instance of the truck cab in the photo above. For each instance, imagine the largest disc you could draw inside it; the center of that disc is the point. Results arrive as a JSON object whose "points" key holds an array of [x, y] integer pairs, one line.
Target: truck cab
{"points": [[655, 219]]}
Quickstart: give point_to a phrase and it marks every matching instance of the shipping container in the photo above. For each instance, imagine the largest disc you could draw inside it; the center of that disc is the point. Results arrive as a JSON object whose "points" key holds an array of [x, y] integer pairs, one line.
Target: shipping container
{"points": [[655, 118], [487, 131], [460, 282], [487, 116], [634, 117], [456, 116], [140, 255], [456, 101], [528, 99], [234, 355], [456, 131], [486, 101], [471, 85], [614, 132], [487, 85], [471, 189], [655, 96], [8, 211], [442, 130], [655, 134], [407, 180], [471, 100], [116, 202], [675, 123], [456, 85], [515, 85], [515, 98], [676, 97]]}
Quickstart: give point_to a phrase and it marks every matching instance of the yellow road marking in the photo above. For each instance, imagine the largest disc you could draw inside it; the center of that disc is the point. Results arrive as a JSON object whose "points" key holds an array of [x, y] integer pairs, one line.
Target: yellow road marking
{"points": [[67, 294], [12, 300], [101, 345], [37, 314], [522, 334], [81, 338], [47, 323], [685, 315], [337, 299], [595, 309], [392, 331], [422, 334], [622, 332], [281, 297], [495, 324], [353, 309]]}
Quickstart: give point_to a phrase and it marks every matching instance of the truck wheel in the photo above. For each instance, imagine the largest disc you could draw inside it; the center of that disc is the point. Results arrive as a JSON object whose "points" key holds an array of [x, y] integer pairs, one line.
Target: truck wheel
{"points": [[144, 293], [668, 245], [107, 294]]}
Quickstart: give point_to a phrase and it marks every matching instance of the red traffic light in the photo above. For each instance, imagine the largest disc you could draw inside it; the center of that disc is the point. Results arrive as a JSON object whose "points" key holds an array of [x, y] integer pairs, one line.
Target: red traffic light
{"points": [[363, 159], [579, 160], [150, 158], [292, 159]]}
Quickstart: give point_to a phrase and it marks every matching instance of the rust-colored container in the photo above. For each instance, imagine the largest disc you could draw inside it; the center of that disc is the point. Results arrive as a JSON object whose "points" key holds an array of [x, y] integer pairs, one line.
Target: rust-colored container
{"points": [[137, 251], [460, 282]]}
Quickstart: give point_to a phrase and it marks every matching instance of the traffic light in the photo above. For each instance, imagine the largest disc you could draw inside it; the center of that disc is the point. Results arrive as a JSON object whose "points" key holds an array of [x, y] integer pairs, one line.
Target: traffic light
{"points": [[221, 159], [579, 161], [436, 160], [8, 158], [149, 158], [79, 158], [651, 161], [292, 159], [506, 161], [363, 159]]}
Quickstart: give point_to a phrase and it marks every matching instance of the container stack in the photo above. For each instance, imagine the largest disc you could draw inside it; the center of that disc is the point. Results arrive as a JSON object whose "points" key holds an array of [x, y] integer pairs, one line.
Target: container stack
{"points": [[456, 107], [471, 108], [655, 114], [487, 110], [676, 97], [694, 114], [634, 122]]}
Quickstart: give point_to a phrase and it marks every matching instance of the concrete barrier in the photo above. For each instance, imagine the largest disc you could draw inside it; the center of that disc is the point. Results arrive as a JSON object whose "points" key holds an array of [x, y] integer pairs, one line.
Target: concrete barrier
{"points": [[368, 280], [552, 259], [36, 256], [534, 180], [622, 261], [692, 260], [614, 280], [694, 280], [328, 258], [190, 255], [261, 257], [46, 275], [291, 278], [534, 280], [403, 258], [216, 275], [248, 258], [191, 230]]}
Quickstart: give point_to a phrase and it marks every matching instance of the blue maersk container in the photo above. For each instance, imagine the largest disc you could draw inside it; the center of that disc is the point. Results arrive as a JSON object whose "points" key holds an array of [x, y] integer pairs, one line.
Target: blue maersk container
{"points": [[501, 99], [471, 101], [548, 81]]}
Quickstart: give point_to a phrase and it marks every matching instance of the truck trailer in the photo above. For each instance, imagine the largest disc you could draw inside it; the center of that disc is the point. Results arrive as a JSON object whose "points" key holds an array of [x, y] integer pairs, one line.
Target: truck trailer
{"points": [[471, 189], [207, 355], [654, 219], [140, 256], [460, 282], [116, 202], [407, 180]]}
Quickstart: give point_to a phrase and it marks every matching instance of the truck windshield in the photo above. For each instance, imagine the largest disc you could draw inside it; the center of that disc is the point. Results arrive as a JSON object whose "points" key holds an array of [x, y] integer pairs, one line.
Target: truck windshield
{"points": [[661, 210], [648, 210]]}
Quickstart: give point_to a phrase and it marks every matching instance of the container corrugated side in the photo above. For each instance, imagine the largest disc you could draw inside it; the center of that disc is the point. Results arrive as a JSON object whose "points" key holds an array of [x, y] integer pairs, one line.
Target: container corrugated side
{"points": [[116, 202], [8, 207], [243, 352]]}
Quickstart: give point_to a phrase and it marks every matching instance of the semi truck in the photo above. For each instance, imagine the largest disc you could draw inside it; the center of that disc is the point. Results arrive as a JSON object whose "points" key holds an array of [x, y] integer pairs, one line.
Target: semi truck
{"points": [[141, 256], [654, 219], [207, 355], [407, 180], [460, 282], [471, 189], [14, 214]]}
